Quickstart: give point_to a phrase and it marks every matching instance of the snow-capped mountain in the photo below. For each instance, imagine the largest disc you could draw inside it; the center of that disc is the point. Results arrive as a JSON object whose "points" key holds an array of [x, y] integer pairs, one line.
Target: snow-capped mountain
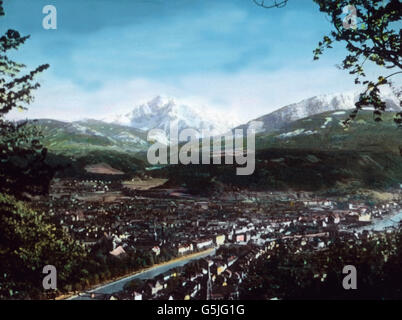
{"points": [[162, 112], [315, 105]]}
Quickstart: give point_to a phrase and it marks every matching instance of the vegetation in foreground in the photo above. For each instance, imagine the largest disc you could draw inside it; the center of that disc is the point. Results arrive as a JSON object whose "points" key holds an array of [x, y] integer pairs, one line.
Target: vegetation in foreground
{"points": [[289, 272]]}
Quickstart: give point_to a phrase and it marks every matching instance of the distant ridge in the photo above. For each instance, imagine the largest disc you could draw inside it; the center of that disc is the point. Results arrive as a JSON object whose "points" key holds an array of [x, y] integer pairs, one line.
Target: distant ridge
{"points": [[315, 105]]}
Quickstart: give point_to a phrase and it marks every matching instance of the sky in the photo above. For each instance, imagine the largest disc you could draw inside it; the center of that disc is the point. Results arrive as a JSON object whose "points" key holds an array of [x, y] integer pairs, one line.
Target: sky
{"points": [[107, 56]]}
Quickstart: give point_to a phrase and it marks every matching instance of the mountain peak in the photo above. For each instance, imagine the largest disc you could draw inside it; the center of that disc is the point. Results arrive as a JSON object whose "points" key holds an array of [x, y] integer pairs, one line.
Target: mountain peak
{"points": [[161, 111]]}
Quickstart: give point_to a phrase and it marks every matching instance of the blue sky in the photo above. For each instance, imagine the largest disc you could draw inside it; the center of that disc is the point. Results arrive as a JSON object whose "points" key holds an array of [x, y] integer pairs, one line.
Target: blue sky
{"points": [[107, 56]]}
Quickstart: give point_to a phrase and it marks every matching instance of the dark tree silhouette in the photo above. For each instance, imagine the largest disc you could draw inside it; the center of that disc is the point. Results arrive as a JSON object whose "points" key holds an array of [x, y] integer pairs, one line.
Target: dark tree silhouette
{"points": [[28, 239], [375, 37], [22, 157]]}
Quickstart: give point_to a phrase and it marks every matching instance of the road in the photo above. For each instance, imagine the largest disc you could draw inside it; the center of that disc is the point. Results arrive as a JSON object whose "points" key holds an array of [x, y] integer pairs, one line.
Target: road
{"points": [[150, 273]]}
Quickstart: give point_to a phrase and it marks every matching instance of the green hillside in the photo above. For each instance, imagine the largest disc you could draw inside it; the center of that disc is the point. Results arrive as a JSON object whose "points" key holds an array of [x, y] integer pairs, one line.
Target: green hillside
{"points": [[326, 132], [79, 138], [75, 166], [314, 153], [296, 169], [74, 145]]}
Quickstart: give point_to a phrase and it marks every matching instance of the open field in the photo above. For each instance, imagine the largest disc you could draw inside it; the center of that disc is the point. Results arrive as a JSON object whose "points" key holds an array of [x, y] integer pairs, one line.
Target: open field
{"points": [[137, 184], [103, 168]]}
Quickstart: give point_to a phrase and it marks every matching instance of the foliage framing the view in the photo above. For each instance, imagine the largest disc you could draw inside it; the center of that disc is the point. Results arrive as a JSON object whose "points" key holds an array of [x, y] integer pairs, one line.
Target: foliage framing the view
{"points": [[373, 39], [28, 242], [28, 239], [22, 166]]}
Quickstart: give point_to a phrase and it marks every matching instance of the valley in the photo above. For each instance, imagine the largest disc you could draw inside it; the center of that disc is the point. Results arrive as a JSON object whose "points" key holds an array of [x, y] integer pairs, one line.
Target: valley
{"points": [[315, 182]]}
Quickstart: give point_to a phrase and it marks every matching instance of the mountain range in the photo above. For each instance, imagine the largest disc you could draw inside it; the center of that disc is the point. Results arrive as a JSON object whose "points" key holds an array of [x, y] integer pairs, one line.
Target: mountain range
{"points": [[315, 105], [326, 131], [311, 123]]}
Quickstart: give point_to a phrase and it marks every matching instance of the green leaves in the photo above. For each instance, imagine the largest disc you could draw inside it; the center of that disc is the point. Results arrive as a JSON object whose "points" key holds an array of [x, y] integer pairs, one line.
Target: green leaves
{"points": [[22, 157], [32, 241], [375, 40]]}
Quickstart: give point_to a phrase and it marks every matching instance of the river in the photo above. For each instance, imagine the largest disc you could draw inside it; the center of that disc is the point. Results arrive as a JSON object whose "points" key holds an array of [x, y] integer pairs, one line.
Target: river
{"points": [[380, 224], [150, 273]]}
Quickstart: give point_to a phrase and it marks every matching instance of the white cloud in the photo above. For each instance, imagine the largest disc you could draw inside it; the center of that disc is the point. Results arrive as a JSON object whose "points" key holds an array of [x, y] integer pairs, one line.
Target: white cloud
{"points": [[245, 95]]}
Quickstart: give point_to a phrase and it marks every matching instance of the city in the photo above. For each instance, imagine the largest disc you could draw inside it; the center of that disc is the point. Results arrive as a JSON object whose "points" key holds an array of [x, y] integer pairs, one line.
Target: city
{"points": [[157, 225]]}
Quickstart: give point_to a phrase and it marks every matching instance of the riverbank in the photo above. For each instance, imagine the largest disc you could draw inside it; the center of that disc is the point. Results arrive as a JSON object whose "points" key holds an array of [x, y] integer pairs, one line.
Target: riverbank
{"points": [[120, 281], [391, 220]]}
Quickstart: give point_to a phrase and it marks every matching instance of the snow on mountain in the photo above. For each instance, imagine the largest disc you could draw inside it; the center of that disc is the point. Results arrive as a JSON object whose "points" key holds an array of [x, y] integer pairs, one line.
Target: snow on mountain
{"points": [[315, 105], [162, 112]]}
